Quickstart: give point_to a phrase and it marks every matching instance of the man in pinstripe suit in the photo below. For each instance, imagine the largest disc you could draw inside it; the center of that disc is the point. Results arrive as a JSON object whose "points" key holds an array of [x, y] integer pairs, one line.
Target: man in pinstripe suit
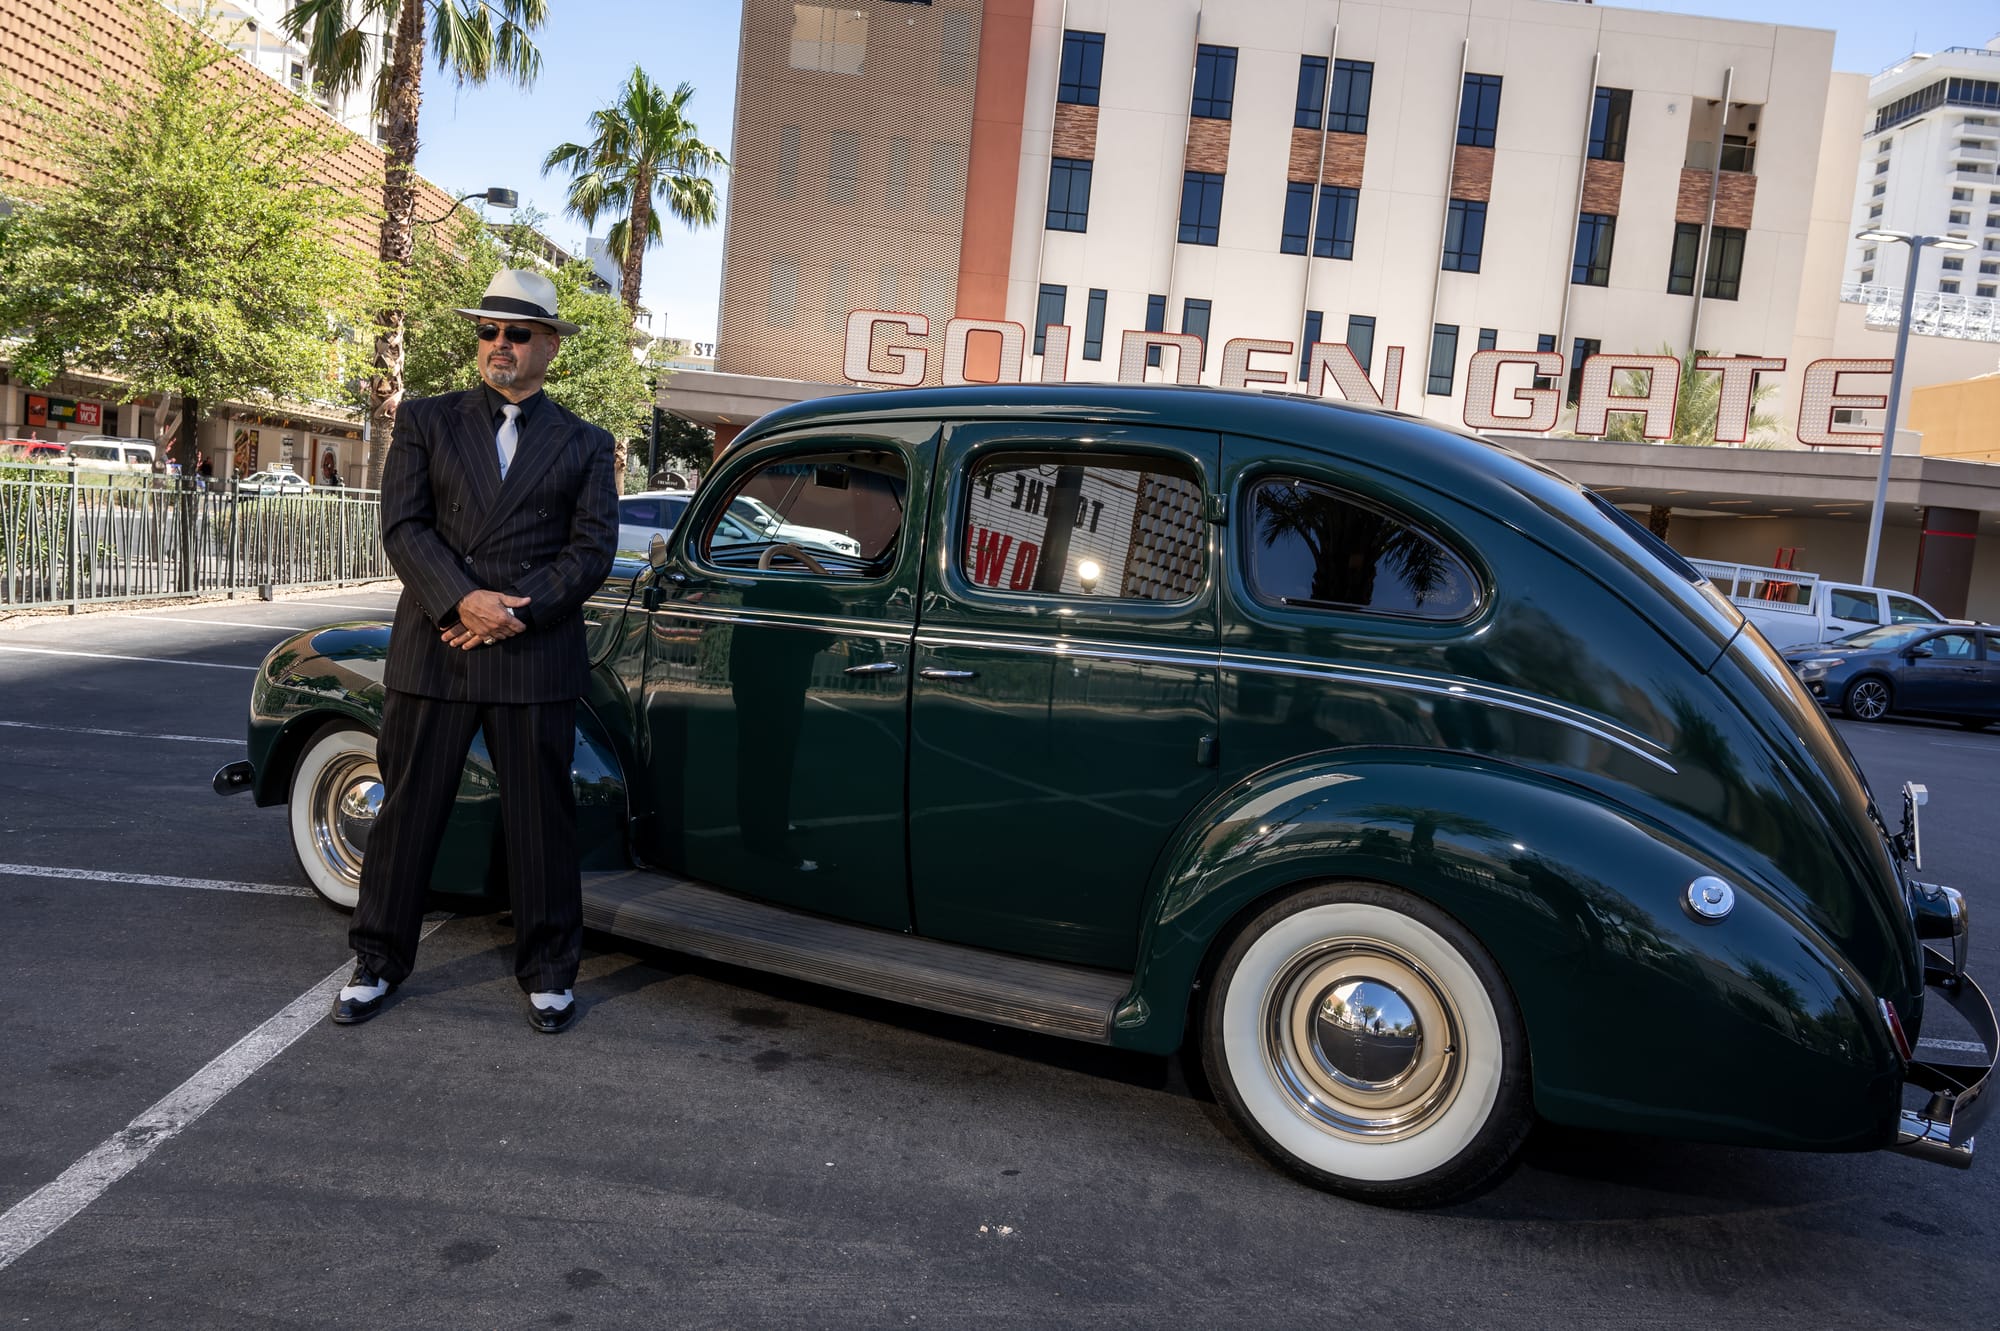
{"points": [[500, 514]]}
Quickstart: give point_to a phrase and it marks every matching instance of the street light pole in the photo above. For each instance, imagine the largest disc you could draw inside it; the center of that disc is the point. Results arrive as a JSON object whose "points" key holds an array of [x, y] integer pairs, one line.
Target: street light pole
{"points": [[1916, 244]]}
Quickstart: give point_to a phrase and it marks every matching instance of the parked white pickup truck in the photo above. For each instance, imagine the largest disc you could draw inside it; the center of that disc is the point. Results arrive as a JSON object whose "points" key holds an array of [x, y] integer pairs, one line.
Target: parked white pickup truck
{"points": [[1796, 609]]}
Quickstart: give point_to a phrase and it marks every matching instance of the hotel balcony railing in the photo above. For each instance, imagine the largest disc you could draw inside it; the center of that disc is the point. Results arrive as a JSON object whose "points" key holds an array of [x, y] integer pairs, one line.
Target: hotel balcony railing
{"points": [[1934, 314]]}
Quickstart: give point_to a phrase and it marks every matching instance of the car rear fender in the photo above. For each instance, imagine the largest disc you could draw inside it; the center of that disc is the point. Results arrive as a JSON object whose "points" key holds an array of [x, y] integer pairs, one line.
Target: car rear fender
{"points": [[1640, 1016]]}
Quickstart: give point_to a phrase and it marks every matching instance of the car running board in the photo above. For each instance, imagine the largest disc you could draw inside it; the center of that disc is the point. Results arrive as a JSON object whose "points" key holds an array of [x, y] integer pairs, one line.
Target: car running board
{"points": [[683, 915]]}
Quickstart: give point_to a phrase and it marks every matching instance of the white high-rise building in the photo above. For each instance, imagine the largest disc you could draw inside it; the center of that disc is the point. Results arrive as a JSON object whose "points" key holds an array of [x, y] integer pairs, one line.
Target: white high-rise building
{"points": [[254, 29], [1930, 164]]}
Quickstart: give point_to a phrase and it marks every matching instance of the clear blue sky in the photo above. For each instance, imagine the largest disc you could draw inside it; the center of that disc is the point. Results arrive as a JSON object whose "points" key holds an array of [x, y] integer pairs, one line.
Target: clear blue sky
{"points": [[498, 135]]}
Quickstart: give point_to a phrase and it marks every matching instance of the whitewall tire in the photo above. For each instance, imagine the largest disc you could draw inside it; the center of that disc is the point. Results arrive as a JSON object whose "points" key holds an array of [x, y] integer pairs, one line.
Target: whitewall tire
{"points": [[335, 797], [1363, 1039]]}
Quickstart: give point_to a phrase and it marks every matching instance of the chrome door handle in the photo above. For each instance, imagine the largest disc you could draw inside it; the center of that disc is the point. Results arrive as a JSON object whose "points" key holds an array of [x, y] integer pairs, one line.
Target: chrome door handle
{"points": [[874, 668], [933, 672]]}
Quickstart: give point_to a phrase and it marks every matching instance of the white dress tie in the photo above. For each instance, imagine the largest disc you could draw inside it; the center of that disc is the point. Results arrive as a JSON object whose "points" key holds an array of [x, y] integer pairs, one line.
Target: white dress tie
{"points": [[509, 436]]}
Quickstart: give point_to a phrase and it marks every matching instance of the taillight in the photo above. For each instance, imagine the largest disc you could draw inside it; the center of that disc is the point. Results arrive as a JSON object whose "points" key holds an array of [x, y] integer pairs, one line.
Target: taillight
{"points": [[1895, 1024]]}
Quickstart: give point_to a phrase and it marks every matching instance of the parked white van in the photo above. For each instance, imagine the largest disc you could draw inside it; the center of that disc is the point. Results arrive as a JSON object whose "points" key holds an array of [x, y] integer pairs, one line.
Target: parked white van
{"points": [[129, 455]]}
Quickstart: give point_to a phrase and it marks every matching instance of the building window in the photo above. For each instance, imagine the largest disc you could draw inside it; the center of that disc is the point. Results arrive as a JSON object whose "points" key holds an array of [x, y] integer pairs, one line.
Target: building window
{"points": [[1333, 236], [1881, 168], [1310, 107], [1610, 119], [1738, 155], [896, 178], [955, 50], [1361, 340], [1687, 254], [1464, 235], [1479, 110], [1315, 329], [1875, 212], [1347, 111], [1959, 217], [1989, 268], [1156, 322], [1725, 263], [1878, 191], [1868, 254], [1544, 342], [1298, 217], [1961, 196], [783, 307], [1580, 351], [1082, 68], [843, 167], [1201, 207], [1993, 221], [947, 188], [1214, 82], [1049, 310], [1948, 288], [1444, 359], [1194, 322], [828, 39], [1953, 264], [1093, 325], [1489, 339], [788, 162], [1867, 276], [1985, 289], [1592, 265], [838, 302], [1069, 195]]}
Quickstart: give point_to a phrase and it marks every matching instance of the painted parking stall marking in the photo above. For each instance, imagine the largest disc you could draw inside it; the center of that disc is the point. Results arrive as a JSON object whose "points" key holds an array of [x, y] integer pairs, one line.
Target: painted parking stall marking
{"points": [[119, 734], [55, 1204], [112, 656], [151, 880]]}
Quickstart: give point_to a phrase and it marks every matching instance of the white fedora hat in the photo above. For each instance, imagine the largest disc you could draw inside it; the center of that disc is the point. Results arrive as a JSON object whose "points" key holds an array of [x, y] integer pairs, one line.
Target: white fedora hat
{"points": [[523, 296]]}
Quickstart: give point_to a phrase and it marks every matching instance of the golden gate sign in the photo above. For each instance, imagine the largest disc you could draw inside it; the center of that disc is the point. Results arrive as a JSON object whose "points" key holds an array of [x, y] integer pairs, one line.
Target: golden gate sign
{"points": [[893, 350]]}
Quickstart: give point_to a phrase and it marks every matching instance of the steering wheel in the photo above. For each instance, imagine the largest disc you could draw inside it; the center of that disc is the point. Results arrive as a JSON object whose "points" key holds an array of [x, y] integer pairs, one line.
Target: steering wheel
{"points": [[790, 551]]}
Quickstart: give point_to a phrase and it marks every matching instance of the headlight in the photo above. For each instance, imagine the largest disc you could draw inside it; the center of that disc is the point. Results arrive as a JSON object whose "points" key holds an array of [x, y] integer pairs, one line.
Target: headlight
{"points": [[1819, 665]]}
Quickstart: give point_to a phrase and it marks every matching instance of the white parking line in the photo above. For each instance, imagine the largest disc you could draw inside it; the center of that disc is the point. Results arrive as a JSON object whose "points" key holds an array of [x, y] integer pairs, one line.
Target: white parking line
{"points": [[55, 1204], [112, 656], [118, 734], [151, 880], [224, 623], [1956, 1046], [349, 605]]}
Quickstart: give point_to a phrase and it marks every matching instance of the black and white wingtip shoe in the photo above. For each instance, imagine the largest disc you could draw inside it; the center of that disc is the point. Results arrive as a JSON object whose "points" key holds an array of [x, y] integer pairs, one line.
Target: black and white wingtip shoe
{"points": [[361, 998], [551, 1012]]}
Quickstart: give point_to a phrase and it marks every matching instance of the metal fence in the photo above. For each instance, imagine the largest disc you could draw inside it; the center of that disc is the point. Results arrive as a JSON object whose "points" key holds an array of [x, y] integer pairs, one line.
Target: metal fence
{"points": [[72, 537]]}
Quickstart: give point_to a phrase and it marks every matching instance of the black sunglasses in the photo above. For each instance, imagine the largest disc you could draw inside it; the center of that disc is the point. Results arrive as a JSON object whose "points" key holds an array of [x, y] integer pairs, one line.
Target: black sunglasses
{"points": [[516, 334]]}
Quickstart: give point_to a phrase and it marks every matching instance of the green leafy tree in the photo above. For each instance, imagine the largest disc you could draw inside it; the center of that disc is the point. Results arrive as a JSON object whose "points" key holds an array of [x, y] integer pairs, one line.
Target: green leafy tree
{"points": [[594, 375], [643, 152], [192, 252], [472, 40], [1700, 399]]}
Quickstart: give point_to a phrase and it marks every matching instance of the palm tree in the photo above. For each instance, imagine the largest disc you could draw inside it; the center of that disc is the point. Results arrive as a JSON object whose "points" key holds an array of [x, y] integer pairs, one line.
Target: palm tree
{"points": [[643, 149], [1700, 398], [341, 38]]}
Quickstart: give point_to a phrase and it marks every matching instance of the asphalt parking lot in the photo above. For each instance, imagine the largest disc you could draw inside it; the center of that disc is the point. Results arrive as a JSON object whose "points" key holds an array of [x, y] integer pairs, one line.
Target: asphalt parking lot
{"points": [[709, 1147]]}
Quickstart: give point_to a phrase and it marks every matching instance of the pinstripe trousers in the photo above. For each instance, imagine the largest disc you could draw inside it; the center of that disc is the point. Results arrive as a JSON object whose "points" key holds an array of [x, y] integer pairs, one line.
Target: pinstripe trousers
{"points": [[421, 751]]}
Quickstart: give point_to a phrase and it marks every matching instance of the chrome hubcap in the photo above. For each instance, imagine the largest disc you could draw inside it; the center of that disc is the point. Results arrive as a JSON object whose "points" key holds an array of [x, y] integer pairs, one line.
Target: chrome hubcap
{"points": [[1363, 1040], [346, 799]]}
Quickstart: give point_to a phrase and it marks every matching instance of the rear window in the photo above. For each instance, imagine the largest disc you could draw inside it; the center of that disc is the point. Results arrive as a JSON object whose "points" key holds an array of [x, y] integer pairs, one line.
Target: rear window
{"points": [[1908, 610], [1860, 606], [1106, 527], [1312, 546]]}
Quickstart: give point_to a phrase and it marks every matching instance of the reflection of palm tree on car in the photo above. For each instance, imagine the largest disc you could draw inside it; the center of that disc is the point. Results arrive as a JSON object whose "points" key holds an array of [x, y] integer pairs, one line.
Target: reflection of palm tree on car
{"points": [[1349, 544]]}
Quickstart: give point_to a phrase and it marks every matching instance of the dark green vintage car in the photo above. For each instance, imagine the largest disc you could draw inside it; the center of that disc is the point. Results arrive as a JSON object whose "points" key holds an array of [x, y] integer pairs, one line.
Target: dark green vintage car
{"points": [[1417, 788]]}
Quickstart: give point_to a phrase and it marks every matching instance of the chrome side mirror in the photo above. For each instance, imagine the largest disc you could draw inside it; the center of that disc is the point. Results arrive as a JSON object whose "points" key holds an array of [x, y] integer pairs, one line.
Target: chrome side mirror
{"points": [[656, 550]]}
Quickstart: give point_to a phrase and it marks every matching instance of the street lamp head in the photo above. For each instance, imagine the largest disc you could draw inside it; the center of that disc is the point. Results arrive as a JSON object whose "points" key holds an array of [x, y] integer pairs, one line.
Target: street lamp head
{"points": [[1881, 233], [1953, 245], [501, 197]]}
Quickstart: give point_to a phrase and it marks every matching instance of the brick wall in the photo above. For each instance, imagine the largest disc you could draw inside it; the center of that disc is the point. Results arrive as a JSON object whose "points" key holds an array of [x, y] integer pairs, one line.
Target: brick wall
{"points": [[1343, 159], [1603, 182], [1076, 132], [1735, 199], [1472, 173], [1207, 144], [49, 45]]}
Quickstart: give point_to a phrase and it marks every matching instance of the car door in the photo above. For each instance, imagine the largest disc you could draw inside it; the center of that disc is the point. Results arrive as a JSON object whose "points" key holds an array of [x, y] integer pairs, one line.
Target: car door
{"points": [[1940, 673], [775, 703], [1849, 610], [1063, 719], [1986, 688]]}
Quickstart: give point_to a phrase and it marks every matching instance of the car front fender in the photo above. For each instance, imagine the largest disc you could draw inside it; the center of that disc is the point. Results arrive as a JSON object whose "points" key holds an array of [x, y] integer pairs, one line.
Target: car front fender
{"points": [[1640, 1015]]}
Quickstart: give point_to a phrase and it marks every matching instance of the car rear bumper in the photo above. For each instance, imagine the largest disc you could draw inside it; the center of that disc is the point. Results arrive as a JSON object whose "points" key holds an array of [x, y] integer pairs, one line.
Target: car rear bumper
{"points": [[1942, 1131]]}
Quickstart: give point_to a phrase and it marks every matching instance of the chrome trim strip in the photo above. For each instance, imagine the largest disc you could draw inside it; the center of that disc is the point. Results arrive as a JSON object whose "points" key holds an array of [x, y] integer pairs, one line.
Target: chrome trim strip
{"points": [[1489, 695], [780, 619]]}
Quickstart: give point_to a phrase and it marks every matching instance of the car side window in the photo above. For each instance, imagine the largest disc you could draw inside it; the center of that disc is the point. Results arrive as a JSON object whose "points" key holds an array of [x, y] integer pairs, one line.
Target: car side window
{"points": [[1857, 606], [1906, 610], [1309, 545], [1112, 527], [1953, 647], [837, 513]]}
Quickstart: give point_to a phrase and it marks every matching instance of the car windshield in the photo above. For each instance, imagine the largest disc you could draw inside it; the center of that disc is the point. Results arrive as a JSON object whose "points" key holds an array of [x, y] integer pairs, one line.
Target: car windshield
{"points": [[1881, 636]]}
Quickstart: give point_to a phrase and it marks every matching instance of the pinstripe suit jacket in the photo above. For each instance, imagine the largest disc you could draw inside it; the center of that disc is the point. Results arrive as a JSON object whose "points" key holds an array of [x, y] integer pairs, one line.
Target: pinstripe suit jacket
{"points": [[450, 526]]}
